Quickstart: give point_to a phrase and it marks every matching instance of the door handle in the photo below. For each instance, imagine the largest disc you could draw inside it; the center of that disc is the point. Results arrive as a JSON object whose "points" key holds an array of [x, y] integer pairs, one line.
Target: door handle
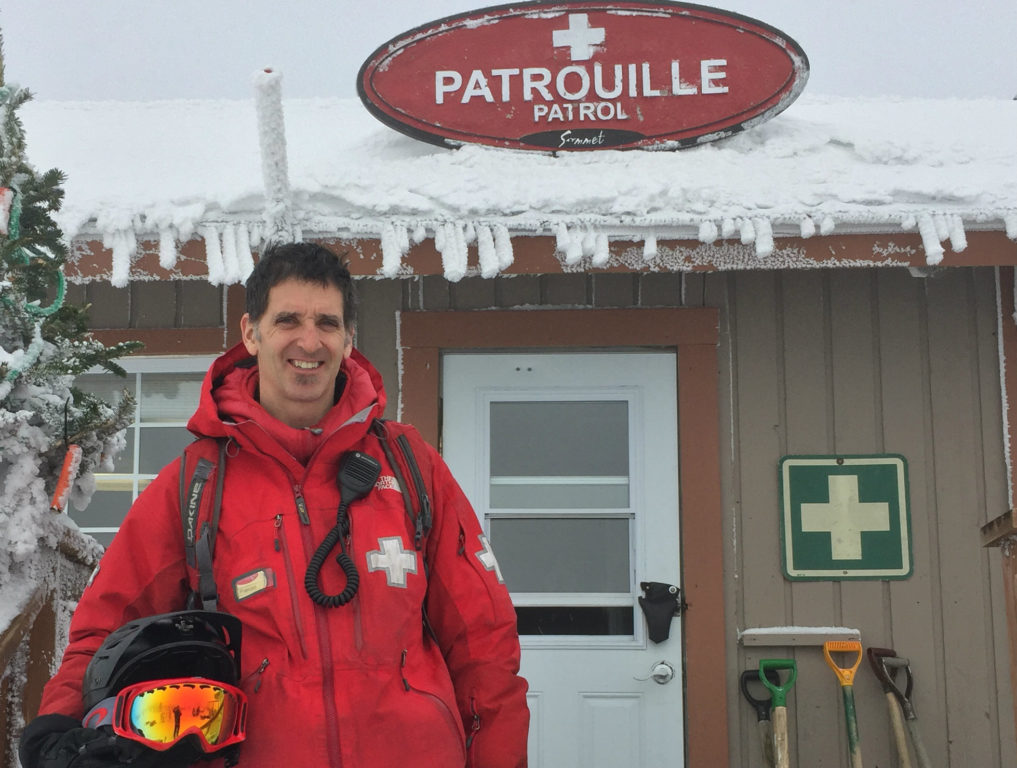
{"points": [[661, 673]]}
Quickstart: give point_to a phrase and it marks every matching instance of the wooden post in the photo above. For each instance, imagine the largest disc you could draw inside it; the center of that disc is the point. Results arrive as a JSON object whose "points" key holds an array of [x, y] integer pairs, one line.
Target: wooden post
{"points": [[1002, 533]]}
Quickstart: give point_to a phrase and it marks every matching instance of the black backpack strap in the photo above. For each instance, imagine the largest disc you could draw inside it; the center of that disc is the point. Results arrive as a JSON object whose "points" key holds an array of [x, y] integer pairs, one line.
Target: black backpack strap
{"points": [[199, 549], [419, 513]]}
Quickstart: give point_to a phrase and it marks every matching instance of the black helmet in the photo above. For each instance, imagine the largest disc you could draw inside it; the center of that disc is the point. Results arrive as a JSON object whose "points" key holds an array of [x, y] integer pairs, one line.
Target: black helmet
{"points": [[181, 644]]}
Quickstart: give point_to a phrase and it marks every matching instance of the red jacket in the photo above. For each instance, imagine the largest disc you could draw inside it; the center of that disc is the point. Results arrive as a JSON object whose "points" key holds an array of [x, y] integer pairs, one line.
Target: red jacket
{"points": [[360, 685]]}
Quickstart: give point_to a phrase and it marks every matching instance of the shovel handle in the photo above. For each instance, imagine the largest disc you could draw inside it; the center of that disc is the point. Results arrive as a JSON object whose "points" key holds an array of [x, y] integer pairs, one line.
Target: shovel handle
{"points": [[761, 706], [900, 739], [778, 692], [846, 675], [781, 755]]}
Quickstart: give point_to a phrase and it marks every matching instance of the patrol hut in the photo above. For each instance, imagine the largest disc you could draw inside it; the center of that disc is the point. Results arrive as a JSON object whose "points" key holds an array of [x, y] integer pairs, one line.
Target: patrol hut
{"points": [[774, 372]]}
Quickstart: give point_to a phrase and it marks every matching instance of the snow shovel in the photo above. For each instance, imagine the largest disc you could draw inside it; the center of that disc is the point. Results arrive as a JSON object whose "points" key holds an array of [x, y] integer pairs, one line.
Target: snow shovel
{"points": [[910, 717], [846, 676], [762, 708], [885, 677], [778, 693]]}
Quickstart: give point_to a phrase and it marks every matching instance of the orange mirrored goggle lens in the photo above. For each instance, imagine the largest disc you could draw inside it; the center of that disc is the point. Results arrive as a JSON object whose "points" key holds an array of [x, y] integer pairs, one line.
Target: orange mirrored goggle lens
{"points": [[160, 713]]}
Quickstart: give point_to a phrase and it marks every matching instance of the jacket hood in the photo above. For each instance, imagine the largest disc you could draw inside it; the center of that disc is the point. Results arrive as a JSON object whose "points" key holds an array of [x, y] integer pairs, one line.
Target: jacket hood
{"points": [[228, 406]]}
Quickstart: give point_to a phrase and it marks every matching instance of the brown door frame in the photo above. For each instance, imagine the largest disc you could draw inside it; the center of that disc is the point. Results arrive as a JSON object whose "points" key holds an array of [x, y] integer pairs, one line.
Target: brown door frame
{"points": [[694, 335]]}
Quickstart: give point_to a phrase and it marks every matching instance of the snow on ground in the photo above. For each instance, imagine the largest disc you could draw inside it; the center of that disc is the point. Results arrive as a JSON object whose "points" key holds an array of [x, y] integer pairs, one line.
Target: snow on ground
{"points": [[825, 164]]}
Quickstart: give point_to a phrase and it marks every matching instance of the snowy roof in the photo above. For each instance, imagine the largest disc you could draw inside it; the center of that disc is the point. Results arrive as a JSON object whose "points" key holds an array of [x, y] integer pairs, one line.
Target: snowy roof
{"points": [[173, 169]]}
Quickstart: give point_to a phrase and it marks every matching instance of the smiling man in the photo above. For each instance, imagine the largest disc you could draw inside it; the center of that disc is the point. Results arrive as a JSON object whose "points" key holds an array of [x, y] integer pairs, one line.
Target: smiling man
{"points": [[411, 657]]}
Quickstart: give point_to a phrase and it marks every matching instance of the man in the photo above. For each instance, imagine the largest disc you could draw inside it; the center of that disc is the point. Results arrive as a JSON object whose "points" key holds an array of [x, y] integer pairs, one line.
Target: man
{"points": [[420, 666]]}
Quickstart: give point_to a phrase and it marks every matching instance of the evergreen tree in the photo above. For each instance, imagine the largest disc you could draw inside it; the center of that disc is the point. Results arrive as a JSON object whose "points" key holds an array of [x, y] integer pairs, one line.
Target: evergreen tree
{"points": [[44, 344]]}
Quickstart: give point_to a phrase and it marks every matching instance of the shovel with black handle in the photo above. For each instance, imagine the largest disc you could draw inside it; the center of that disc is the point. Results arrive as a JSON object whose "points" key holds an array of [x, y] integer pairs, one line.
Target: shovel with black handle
{"points": [[762, 706]]}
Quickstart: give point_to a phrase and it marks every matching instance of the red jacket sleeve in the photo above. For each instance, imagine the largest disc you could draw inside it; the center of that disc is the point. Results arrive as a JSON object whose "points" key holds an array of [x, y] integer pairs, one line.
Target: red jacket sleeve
{"points": [[474, 621], [142, 573]]}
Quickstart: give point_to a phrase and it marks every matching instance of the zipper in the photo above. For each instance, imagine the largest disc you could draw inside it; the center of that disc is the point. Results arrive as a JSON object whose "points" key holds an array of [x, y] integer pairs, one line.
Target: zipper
{"points": [[280, 541], [476, 723], [298, 493], [330, 708], [257, 673], [451, 718]]}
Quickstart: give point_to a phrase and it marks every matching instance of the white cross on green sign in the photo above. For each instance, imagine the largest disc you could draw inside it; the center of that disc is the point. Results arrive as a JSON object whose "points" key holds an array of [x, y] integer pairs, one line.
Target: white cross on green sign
{"points": [[845, 517]]}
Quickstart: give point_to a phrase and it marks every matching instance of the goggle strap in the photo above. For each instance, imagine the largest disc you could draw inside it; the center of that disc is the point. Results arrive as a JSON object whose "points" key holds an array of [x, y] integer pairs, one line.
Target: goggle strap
{"points": [[100, 714]]}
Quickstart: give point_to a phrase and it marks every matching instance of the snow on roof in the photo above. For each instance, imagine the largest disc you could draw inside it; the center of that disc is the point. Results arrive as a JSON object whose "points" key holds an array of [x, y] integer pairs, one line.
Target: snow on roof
{"points": [[171, 169]]}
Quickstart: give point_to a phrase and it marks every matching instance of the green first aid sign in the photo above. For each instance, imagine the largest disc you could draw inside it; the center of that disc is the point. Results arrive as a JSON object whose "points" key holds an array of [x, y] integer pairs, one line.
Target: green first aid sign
{"points": [[845, 517]]}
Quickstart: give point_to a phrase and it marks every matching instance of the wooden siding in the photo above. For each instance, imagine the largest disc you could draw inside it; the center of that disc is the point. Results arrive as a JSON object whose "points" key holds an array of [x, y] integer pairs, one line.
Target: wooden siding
{"points": [[871, 361], [844, 361]]}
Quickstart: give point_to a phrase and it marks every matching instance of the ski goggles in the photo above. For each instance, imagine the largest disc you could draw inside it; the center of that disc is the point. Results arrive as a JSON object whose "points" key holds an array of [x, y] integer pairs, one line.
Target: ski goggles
{"points": [[160, 713]]}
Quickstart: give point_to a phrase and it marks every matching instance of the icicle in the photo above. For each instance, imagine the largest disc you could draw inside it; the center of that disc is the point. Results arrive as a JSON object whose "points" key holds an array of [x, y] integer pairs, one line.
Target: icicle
{"points": [[454, 254], [942, 227], [826, 226], [589, 241], [930, 239], [748, 232], [807, 227], [958, 238], [561, 237], [167, 249], [274, 166], [391, 251], [470, 232], [601, 250], [439, 238], [727, 228], [486, 252], [213, 254], [649, 247], [403, 235], [123, 245], [231, 265], [574, 249], [503, 246], [255, 232], [764, 237], [419, 234], [908, 223], [245, 259], [1010, 222], [708, 232]]}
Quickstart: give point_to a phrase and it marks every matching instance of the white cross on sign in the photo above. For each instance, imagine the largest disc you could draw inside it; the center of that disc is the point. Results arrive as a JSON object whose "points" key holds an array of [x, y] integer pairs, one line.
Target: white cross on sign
{"points": [[394, 560], [580, 37], [845, 518], [487, 558]]}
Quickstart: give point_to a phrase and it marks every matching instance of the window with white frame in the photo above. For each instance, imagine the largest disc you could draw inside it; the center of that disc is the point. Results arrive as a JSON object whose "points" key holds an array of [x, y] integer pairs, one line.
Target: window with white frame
{"points": [[166, 391]]}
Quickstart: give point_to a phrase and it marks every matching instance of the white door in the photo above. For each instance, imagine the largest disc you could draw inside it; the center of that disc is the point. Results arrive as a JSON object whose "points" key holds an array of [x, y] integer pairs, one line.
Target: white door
{"points": [[571, 463]]}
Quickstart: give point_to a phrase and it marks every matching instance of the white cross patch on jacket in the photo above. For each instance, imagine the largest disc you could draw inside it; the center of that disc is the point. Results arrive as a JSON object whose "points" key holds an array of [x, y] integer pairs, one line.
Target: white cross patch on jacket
{"points": [[487, 558], [394, 560]]}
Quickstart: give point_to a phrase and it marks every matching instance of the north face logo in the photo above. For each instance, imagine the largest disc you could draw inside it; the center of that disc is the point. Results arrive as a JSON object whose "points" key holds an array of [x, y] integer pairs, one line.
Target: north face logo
{"points": [[387, 483]]}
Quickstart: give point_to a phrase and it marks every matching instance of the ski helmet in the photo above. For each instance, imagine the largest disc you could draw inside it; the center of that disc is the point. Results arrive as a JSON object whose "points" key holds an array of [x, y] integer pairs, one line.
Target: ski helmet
{"points": [[203, 644]]}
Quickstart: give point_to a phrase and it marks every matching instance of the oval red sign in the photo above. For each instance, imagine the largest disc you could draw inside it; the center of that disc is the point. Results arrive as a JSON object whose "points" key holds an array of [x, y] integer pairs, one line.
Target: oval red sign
{"points": [[583, 75]]}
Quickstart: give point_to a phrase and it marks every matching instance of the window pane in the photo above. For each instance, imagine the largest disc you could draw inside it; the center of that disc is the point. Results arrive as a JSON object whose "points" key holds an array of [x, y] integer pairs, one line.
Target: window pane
{"points": [[169, 396], [564, 620], [577, 555], [107, 386], [107, 509], [559, 438], [159, 446], [559, 455]]}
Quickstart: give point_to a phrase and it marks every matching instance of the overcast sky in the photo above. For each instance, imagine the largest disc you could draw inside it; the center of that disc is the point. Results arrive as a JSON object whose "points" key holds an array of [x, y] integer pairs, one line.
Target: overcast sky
{"points": [[156, 49]]}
